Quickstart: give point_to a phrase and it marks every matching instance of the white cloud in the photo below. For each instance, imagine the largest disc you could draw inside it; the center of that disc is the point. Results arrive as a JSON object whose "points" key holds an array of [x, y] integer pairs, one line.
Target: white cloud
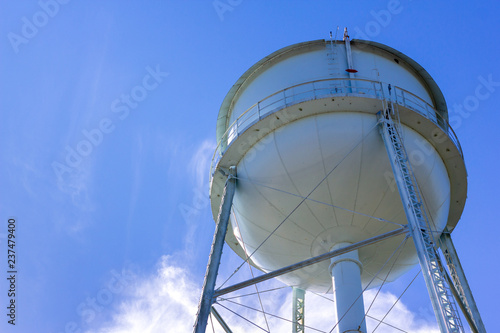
{"points": [[164, 302], [400, 316], [200, 162], [167, 302]]}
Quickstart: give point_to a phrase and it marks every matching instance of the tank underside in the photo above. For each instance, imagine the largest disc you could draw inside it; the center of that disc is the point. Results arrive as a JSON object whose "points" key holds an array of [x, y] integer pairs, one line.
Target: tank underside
{"points": [[338, 162]]}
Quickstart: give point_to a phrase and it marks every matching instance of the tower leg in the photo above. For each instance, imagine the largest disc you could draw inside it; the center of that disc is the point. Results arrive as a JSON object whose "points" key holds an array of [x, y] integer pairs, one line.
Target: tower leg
{"points": [[439, 292], [348, 291], [298, 296], [221, 321], [460, 281], [207, 293]]}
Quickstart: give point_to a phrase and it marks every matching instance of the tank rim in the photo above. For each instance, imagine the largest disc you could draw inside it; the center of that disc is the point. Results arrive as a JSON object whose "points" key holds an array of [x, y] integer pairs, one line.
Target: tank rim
{"points": [[225, 109]]}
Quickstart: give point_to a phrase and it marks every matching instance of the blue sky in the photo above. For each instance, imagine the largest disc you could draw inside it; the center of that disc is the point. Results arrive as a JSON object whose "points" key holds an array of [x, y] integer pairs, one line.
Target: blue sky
{"points": [[119, 240]]}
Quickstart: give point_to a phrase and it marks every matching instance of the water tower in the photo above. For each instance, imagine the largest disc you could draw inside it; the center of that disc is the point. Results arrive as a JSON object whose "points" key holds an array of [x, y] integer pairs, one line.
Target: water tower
{"points": [[333, 156]]}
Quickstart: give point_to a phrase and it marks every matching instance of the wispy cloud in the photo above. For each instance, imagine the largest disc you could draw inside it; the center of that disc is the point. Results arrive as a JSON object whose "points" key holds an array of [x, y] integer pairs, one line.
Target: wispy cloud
{"points": [[200, 162], [137, 171], [167, 301], [198, 174]]}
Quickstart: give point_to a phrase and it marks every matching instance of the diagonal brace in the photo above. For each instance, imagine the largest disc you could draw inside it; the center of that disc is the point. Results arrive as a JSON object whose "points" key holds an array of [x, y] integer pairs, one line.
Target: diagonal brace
{"points": [[311, 261]]}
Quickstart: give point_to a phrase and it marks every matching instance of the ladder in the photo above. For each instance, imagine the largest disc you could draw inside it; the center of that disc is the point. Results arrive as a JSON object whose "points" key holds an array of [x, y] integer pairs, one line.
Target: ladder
{"points": [[333, 64], [391, 108], [420, 230]]}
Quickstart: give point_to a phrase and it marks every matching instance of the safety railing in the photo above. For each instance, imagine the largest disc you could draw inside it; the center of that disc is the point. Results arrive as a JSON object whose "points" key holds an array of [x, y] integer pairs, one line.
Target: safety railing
{"points": [[326, 88]]}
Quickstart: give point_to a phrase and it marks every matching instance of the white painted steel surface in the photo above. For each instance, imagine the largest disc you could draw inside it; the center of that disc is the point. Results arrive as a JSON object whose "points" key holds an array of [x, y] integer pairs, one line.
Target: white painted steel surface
{"points": [[295, 159], [313, 65], [307, 122], [310, 61]]}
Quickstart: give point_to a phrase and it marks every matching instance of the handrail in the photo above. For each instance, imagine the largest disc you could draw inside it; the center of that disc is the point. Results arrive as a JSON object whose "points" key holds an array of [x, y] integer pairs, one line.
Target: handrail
{"points": [[434, 116], [323, 88]]}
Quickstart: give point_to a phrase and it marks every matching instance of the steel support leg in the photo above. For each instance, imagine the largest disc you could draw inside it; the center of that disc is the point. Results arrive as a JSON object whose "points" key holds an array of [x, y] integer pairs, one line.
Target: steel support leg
{"points": [[207, 293], [460, 281], [220, 320], [299, 296], [439, 293]]}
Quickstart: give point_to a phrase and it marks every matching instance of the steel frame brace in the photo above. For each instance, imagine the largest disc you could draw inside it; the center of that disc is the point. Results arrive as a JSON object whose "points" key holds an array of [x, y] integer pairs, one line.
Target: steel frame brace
{"points": [[311, 261], [207, 294]]}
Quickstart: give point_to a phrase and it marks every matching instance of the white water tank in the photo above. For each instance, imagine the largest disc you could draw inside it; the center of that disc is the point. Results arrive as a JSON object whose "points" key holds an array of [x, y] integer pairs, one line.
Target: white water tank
{"points": [[313, 172]]}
